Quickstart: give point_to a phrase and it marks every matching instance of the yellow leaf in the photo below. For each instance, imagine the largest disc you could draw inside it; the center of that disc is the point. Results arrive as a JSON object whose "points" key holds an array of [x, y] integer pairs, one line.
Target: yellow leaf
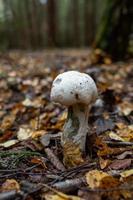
{"points": [[104, 163], [94, 178], [7, 122], [99, 179], [60, 196], [72, 155], [114, 136], [126, 173], [36, 134], [24, 133], [10, 184], [9, 143]]}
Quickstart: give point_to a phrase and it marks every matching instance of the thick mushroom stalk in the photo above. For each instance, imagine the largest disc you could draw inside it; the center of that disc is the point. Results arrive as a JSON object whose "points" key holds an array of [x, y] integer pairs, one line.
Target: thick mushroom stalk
{"points": [[76, 126], [77, 91]]}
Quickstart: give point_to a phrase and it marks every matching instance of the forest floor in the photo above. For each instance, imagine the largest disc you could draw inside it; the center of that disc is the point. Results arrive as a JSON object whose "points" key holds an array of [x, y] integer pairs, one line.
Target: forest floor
{"points": [[31, 157]]}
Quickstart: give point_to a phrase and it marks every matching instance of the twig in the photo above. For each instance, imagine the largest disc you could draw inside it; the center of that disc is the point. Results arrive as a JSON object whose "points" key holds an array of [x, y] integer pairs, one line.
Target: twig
{"points": [[110, 189], [111, 143], [9, 195], [25, 153], [18, 170], [70, 184], [54, 160], [38, 119]]}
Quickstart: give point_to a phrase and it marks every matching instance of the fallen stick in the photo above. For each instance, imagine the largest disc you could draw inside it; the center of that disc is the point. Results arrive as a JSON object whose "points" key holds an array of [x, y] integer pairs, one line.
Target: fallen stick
{"points": [[112, 143], [54, 160], [69, 185]]}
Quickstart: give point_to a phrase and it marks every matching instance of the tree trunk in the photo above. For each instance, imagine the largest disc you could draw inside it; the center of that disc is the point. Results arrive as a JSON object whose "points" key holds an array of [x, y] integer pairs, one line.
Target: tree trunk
{"points": [[76, 31], [51, 19], [89, 21], [115, 28]]}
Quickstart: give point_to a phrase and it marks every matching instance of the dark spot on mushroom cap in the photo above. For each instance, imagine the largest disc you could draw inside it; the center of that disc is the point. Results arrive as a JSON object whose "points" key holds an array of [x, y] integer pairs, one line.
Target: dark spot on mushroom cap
{"points": [[77, 96], [58, 80], [71, 92]]}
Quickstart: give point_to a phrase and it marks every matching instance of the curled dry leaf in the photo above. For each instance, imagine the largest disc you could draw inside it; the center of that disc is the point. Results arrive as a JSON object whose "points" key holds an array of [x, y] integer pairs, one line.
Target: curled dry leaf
{"points": [[10, 184], [103, 149], [116, 137], [99, 179], [104, 163], [7, 122]]}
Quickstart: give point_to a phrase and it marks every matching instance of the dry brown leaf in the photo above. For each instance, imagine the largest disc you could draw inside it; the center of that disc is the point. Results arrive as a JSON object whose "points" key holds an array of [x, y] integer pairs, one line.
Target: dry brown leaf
{"points": [[104, 163], [103, 148], [38, 133], [99, 179], [7, 122], [10, 184], [126, 108], [120, 164], [72, 155]]}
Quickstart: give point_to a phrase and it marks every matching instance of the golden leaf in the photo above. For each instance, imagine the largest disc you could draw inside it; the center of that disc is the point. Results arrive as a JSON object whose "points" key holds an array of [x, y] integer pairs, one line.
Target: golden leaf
{"points": [[99, 179], [72, 154], [10, 184]]}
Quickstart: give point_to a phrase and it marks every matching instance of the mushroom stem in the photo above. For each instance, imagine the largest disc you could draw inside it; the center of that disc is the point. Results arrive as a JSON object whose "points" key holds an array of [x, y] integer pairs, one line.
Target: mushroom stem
{"points": [[76, 126]]}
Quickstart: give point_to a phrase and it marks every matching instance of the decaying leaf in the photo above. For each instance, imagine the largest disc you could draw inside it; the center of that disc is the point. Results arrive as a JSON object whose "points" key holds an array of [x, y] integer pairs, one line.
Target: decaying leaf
{"points": [[126, 108], [10, 184], [104, 163], [127, 173], [9, 143], [24, 133], [103, 148], [120, 164], [114, 136], [99, 179], [72, 155], [60, 196], [7, 122]]}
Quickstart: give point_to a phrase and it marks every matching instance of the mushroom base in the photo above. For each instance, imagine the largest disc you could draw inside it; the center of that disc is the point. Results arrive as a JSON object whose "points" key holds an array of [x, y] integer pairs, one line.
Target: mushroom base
{"points": [[76, 126]]}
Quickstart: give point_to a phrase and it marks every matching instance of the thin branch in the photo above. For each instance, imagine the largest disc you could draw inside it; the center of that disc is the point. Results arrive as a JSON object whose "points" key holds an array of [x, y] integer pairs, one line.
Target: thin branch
{"points": [[54, 160]]}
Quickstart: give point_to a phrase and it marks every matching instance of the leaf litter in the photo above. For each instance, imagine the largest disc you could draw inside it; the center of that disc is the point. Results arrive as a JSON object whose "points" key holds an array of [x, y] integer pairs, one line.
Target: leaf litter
{"points": [[32, 162]]}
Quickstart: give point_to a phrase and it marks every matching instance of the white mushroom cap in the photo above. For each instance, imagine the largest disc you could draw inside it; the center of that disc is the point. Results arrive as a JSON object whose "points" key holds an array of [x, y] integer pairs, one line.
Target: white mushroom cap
{"points": [[73, 87]]}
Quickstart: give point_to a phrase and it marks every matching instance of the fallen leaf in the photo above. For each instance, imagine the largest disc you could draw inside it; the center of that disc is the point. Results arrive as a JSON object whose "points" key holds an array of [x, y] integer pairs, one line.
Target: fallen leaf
{"points": [[10, 184], [60, 196], [126, 108], [104, 163], [126, 173], [100, 179], [114, 136], [72, 155], [120, 164], [124, 155], [7, 122], [9, 143], [38, 133], [24, 133]]}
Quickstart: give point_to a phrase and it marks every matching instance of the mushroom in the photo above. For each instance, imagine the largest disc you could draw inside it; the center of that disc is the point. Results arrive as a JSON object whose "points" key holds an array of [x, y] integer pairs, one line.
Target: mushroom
{"points": [[78, 92]]}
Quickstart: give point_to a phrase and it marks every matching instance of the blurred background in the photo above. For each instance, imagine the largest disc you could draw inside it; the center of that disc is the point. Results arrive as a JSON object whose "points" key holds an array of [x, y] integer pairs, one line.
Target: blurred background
{"points": [[39, 24]]}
